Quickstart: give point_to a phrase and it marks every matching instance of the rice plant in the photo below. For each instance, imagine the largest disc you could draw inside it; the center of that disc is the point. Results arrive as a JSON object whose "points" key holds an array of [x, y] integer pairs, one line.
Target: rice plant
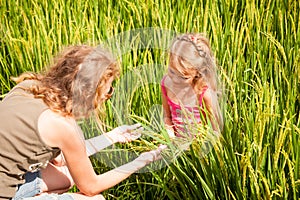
{"points": [[257, 45]]}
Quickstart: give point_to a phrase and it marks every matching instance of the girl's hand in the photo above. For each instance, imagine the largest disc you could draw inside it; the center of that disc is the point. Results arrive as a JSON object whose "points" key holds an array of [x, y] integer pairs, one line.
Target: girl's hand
{"points": [[171, 133], [125, 133]]}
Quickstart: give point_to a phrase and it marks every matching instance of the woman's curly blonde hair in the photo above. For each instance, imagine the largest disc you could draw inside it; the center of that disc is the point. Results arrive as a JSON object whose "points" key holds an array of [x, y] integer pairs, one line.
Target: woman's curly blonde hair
{"points": [[74, 83]]}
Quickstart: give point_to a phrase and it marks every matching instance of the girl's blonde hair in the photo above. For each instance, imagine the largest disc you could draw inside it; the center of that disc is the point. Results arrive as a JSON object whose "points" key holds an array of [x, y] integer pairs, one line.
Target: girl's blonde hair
{"points": [[74, 84], [191, 55]]}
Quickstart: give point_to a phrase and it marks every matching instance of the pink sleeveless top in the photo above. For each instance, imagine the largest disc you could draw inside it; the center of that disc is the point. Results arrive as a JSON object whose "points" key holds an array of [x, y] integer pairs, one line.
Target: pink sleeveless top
{"points": [[180, 118]]}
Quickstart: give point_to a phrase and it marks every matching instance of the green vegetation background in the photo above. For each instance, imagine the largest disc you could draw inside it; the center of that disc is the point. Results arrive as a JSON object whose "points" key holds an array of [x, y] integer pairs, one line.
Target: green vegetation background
{"points": [[257, 45]]}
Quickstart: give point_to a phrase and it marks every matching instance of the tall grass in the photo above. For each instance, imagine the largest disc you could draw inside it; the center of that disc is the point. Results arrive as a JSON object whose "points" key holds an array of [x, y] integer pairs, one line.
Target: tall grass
{"points": [[257, 45]]}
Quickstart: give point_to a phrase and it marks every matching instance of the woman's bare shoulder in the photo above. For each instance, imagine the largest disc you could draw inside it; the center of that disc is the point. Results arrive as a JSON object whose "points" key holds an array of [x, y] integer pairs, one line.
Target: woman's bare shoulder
{"points": [[54, 128]]}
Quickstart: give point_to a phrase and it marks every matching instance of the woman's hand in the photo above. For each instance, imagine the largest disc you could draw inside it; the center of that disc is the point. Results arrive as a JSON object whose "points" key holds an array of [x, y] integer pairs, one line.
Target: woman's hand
{"points": [[151, 156], [125, 133], [141, 161]]}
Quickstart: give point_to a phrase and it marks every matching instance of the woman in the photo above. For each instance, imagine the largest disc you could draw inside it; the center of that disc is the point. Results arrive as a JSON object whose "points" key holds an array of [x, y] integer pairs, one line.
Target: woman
{"points": [[43, 150]]}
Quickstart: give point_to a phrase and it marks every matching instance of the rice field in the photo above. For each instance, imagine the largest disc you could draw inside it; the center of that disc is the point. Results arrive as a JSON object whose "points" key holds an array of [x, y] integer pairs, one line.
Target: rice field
{"points": [[257, 45]]}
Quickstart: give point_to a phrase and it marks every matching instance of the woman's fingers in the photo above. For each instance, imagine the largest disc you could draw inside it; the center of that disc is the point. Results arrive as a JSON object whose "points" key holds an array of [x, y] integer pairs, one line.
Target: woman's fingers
{"points": [[135, 126]]}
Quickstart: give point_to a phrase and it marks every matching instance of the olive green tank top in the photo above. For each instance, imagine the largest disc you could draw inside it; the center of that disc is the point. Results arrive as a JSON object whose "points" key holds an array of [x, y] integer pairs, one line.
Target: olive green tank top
{"points": [[21, 148]]}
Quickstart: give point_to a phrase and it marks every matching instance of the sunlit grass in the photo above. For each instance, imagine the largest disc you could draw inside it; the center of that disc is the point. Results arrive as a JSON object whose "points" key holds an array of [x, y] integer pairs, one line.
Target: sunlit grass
{"points": [[256, 44]]}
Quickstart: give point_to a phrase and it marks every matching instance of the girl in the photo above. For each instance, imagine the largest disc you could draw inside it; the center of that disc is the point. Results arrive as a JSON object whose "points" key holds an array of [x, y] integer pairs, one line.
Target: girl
{"points": [[189, 89], [42, 147]]}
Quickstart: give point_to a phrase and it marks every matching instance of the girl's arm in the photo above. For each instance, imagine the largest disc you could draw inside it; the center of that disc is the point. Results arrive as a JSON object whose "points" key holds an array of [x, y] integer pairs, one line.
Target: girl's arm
{"points": [[212, 106]]}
